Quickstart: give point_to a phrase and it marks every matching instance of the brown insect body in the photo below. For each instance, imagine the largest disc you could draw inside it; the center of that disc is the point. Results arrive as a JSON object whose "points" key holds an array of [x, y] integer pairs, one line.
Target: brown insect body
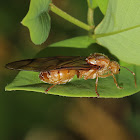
{"points": [[60, 70], [104, 65], [99, 60], [106, 68], [57, 76]]}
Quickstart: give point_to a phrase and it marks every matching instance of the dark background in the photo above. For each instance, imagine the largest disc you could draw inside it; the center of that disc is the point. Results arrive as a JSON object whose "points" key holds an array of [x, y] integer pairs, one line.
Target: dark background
{"points": [[36, 116]]}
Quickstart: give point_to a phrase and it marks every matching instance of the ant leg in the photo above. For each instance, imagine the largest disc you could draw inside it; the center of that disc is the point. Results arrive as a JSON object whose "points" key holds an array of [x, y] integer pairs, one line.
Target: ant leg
{"points": [[88, 76], [78, 74], [46, 91], [115, 81], [96, 84], [132, 73], [104, 76]]}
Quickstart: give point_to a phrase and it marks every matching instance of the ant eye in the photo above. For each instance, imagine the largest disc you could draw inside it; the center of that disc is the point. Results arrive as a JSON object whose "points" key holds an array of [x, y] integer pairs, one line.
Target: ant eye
{"points": [[119, 69]]}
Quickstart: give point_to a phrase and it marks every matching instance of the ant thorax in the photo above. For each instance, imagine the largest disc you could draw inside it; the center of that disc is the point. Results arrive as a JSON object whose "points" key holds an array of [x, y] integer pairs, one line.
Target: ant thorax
{"points": [[98, 59]]}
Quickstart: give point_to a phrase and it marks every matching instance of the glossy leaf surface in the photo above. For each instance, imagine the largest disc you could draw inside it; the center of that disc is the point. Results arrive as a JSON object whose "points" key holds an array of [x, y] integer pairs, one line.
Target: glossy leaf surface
{"points": [[120, 30]]}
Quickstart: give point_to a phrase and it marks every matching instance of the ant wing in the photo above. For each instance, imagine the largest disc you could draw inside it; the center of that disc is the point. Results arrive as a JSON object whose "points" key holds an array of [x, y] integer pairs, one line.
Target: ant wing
{"points": [[51, 63]]}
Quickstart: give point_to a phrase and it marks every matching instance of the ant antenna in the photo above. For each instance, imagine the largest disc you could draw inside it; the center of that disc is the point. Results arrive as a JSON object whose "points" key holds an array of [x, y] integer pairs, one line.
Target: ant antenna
{"points": [[132, 73]]}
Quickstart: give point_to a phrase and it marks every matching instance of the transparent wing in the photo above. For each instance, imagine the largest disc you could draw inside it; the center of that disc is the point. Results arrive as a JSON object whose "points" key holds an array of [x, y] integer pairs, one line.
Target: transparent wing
{"points": [[51, 63]]}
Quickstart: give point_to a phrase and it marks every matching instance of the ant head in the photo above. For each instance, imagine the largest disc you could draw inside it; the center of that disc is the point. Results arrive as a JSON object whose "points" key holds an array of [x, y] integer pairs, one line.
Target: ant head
{"points": [[114, 67]]}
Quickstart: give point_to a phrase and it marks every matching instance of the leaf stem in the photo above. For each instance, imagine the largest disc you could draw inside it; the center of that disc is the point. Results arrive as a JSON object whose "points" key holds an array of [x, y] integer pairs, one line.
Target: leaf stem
{"points": [[69, 18], [90, 16]]}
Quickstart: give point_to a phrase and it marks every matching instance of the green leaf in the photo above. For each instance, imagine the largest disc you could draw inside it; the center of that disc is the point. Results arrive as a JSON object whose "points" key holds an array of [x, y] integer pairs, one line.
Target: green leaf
{"points": [[92, 4], [120, 30], [38, 20], [76, 42], [102, 4], [29, 81]]}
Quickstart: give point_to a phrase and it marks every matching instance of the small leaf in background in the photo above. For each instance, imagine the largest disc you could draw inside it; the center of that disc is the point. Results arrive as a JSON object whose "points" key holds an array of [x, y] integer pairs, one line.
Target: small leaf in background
{"points": [[38, 20], [92, 4], [120, 30], [29, 81], [102, 4]]}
